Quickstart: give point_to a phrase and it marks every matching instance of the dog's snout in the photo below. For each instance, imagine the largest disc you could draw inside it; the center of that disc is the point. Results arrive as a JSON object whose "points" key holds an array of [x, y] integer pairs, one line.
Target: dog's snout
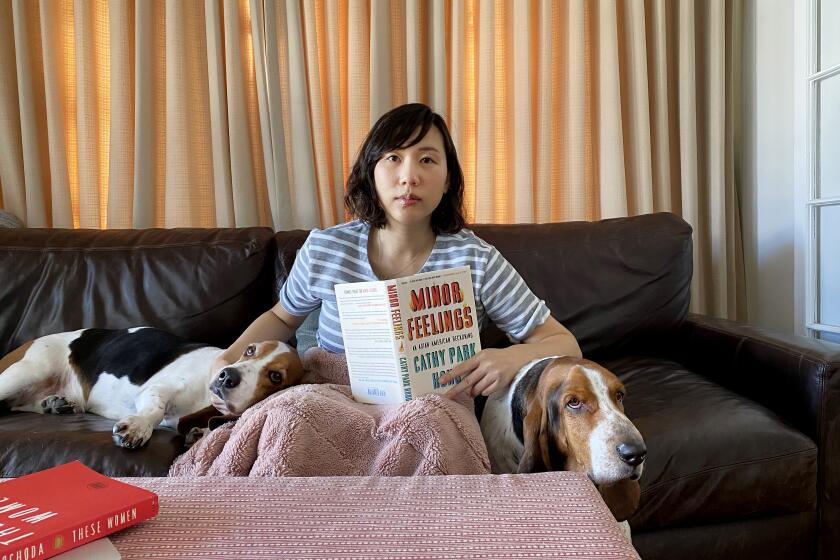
{"points": [[229, 378], [632, 453]]}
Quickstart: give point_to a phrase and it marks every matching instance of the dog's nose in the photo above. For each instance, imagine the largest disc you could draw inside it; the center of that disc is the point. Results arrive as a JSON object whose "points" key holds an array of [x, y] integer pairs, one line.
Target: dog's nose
{"points": [[229, 378], [632, 453]]}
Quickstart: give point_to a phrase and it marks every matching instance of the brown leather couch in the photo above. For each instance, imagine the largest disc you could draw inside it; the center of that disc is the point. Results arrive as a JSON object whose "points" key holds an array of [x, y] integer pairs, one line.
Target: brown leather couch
{"points": [[741, 423]]}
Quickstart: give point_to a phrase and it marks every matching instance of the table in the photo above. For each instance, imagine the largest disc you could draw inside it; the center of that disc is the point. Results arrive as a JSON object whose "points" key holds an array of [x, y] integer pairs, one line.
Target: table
{"points": [[549, 515]]}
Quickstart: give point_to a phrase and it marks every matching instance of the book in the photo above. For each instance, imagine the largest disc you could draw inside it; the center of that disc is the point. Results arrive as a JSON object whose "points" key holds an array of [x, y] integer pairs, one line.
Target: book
{"points": [[402, 335], [52, 511], [101, 549]]}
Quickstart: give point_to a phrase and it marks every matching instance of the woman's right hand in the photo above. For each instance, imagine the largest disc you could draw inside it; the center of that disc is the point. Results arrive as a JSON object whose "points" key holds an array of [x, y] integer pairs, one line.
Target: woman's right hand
{"points": [[274, 324]]}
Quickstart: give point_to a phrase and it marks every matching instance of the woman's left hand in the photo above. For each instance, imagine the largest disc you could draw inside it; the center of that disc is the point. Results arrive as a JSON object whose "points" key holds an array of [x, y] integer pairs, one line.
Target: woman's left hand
{"points": [[493, 369], [489, 370]]}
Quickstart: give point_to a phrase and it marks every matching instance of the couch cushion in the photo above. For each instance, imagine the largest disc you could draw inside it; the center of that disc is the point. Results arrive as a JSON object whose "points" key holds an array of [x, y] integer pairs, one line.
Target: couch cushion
{"points": [[31, 442], [713, 455], [204, 285]]}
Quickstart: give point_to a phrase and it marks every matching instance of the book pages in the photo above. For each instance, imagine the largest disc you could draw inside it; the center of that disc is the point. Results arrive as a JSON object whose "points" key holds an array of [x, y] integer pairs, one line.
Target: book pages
{"points": [[402, 335], [368, 331]]}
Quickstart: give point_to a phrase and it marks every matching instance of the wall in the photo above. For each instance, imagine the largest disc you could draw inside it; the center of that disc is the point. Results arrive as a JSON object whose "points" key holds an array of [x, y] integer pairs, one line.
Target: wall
{"points": [[766, 144]]}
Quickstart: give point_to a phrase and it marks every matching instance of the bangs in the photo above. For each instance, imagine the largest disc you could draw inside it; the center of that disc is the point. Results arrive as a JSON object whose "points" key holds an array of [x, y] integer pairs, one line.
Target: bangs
{"points": [[403, 133]]}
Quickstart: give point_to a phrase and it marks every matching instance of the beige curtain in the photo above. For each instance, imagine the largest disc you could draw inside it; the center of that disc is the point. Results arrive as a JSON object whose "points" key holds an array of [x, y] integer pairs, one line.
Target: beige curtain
{"points": [[249, 112], [130, 114]]}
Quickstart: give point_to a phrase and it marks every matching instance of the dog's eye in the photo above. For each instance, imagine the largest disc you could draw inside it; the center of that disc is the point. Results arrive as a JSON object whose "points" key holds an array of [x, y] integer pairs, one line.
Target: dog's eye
{"points": [[275, 376], [574, 403], [251, 350], [619, 397]]}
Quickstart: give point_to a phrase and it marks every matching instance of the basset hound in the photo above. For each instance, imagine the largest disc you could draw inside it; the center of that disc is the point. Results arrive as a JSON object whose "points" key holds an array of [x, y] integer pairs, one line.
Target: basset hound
{"points": [[140, 377], [563, 413]]}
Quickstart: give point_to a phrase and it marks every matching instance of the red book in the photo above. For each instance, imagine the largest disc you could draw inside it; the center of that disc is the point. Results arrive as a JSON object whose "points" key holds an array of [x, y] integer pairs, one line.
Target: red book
{"points": [[51, 511]]}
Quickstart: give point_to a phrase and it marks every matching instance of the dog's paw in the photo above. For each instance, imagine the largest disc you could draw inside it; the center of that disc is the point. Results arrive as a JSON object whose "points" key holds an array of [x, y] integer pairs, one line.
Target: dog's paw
{"points": [[55, 404], [132, 432], [194, 435]]}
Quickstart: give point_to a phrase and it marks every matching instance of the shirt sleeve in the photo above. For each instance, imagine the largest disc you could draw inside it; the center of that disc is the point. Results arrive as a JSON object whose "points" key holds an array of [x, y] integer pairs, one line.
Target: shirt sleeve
{"points": [[508, 301], [296, 294]]}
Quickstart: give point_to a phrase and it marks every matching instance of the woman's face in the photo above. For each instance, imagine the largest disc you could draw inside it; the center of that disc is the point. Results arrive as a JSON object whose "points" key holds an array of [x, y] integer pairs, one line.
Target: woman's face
{"points": [[410, 182]]}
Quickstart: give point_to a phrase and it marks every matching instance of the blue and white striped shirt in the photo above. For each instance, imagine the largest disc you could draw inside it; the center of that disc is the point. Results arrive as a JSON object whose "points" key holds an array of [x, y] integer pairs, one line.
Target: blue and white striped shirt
{"points": [[338, 255]]}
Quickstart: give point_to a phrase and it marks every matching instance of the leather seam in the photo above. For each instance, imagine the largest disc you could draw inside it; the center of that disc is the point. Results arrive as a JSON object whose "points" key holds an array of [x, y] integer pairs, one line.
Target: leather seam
{"points": [[775, 345], [727, 467], [127, 247]]}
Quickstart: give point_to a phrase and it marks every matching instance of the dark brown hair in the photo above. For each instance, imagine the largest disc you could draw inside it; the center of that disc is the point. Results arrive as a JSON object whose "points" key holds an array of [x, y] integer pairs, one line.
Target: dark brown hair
{"points": [[404, 127]]}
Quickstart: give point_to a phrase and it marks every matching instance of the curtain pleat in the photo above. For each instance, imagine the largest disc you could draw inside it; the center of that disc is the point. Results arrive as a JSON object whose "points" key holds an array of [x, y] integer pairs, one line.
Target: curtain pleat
{"points": [[11, 156], [485, 129], [250, 203], [230, 113], [149, 115], [573, 200], [335, 93], [635, 108], [31, 99], [304, 197], [657, 63], [523, 146], [121, 126], [218, 109], [612, 191], [90, 22], [273, 110], [358, 74], [543, 168], [188, 173], [63, 191], [380, 59], [411, 32], [436, 53]]}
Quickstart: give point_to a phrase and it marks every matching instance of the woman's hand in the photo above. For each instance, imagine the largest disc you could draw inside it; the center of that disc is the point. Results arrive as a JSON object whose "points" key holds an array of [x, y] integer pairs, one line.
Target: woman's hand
{"points": [[489, 370], [493, 369]]}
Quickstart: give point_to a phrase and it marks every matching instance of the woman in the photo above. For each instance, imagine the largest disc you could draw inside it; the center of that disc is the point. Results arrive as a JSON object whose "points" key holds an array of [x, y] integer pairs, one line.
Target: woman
{"points": [[406, 191]]}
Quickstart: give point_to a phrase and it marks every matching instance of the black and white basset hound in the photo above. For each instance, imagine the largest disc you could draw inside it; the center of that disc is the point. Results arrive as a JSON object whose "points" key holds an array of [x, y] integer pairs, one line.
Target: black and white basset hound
{"points": [[140, 377], [563, 413]]}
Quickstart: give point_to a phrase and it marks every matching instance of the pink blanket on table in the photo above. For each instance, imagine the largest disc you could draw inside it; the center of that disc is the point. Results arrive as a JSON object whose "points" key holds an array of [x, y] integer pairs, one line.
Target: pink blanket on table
{"points": [[317, 429]]}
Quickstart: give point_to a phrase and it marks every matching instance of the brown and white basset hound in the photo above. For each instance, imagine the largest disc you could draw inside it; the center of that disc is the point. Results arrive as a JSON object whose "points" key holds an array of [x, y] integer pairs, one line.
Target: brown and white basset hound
{"points": [[563, 413], [140, 377]]}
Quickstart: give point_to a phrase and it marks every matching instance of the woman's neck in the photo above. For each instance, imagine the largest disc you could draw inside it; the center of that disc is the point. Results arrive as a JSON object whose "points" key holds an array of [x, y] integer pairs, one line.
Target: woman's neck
{"points": [[397, 240], [399, 251]]}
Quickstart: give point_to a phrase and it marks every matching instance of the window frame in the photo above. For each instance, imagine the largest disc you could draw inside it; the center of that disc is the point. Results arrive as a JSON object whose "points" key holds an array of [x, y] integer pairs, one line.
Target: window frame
{"points": [[814, 201]]}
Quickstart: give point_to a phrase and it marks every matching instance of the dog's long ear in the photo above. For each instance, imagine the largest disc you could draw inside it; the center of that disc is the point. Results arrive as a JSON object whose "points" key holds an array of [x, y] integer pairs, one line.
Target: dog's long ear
{"points": [[533, 435], [544, 438], [622, 498]]}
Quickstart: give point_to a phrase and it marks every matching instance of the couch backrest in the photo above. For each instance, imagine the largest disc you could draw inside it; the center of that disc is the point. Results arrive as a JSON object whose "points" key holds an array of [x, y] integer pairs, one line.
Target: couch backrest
{"points": [[612, 282], [203, 285]]}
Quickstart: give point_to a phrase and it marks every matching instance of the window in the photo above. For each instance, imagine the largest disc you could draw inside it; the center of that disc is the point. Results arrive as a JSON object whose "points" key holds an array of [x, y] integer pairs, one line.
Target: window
{"points": [[823, 206]]}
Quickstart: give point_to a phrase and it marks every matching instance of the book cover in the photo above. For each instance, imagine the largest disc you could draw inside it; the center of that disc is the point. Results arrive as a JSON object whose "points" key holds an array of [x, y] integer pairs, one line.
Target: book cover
{"points": [[52, 511], [402, 335]]}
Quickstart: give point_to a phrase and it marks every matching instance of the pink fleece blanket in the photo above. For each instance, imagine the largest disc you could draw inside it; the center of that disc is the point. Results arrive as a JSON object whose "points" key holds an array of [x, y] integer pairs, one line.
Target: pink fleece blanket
{"points": [[317, 429]]}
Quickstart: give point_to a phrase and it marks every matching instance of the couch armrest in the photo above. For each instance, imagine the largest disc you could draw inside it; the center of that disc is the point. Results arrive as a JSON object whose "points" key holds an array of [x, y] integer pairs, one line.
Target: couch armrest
{"points": [[796, 377]]}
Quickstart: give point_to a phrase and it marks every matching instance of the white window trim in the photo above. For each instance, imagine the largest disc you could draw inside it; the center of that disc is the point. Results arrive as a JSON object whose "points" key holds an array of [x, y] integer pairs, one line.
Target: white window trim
{"points": [[806, 275], [803, 47]]}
